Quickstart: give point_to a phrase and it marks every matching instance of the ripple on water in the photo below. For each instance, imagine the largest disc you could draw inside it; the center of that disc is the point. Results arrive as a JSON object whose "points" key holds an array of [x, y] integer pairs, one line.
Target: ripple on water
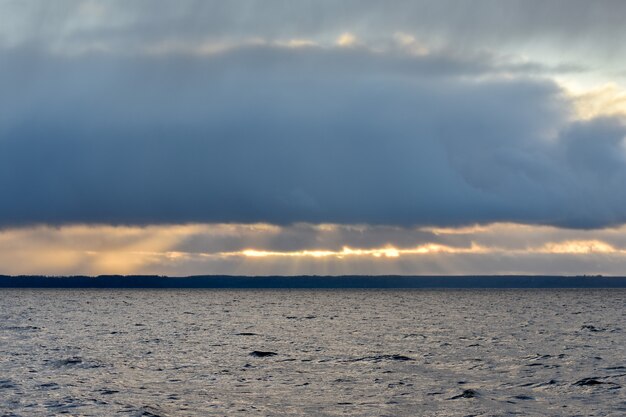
{"points": [[327, 353]]}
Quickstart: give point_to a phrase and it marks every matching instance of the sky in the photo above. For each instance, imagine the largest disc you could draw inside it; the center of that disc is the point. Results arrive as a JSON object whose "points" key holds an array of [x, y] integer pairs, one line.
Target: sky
{"points": [[312, 137]]}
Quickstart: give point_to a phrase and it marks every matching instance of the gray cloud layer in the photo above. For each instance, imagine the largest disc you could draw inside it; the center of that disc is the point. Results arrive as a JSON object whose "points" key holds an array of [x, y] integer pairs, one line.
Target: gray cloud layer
{"points": [[594, 26], [285, 135]]}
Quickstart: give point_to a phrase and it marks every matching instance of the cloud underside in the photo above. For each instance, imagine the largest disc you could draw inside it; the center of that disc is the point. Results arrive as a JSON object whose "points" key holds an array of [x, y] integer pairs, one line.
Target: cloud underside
{"points": [[260, 249], [281, 134]]}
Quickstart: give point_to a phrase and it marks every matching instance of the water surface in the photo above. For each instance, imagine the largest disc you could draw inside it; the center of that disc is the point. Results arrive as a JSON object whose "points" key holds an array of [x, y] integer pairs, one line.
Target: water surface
{"points": [[337, 353]]}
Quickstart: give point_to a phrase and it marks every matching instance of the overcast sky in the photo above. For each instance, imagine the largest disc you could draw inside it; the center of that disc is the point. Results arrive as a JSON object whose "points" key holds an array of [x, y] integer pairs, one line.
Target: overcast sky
{"points": [[307, 118]]}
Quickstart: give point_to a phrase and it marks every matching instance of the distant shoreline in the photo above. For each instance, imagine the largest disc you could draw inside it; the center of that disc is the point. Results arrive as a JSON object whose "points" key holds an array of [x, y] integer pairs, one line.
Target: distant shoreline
{"points": [[315, 282]]}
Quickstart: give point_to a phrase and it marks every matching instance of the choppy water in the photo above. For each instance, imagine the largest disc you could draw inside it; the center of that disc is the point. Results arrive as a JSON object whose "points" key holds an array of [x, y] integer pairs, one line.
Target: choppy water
{"points": [[361, 353]]}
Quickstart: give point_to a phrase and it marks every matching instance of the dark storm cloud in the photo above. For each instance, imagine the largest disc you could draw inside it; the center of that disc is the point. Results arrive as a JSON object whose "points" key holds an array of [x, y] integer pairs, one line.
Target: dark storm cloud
{"points": [[282, 135]]}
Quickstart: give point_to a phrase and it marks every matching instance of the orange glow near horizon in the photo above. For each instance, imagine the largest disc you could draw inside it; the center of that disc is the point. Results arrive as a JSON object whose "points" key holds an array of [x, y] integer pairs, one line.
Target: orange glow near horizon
{"points": [[317, 248], [579, 247], [346, 251]]}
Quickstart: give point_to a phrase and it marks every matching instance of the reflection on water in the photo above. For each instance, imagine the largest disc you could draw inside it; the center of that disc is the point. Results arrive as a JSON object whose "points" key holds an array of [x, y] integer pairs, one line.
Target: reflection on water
{"points": [[322, 353]]}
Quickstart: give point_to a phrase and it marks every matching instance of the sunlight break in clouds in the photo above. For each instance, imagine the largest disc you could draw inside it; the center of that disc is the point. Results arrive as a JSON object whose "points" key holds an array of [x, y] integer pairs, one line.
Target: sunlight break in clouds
{"points": [[309, 249], [388, 252], [346, 39], [606, 100]]}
